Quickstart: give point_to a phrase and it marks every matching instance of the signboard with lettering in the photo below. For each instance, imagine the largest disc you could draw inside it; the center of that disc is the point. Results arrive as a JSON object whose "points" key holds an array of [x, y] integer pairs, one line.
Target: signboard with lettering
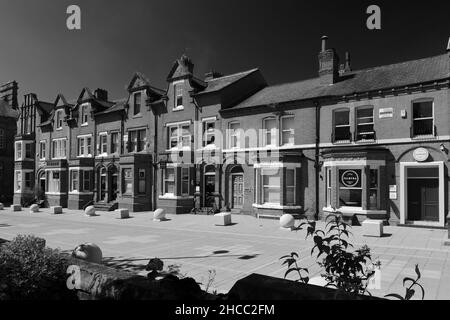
{"points": [[386, 113], [421, 154], [350, 178], [393, 192]]}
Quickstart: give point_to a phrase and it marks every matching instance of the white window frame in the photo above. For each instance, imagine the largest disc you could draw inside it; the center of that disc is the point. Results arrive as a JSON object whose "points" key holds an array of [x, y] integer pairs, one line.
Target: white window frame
{"points": [[84, 114], [135, 94], [101, 143], [263, 186], [180, 129], [138, 139], [71, 172], [59, 119], [207, 133], [289, 130], [30, 146], [422, 100], [341, 125], [165, 179], [273, 133], [357, 125], [42, 149], [58, 154], [112, 142], [178, 91], [234, 135]]}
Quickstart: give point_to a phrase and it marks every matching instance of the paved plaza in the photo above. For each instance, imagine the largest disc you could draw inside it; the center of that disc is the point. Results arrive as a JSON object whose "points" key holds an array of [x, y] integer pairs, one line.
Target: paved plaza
{"points": [[197, 248]]}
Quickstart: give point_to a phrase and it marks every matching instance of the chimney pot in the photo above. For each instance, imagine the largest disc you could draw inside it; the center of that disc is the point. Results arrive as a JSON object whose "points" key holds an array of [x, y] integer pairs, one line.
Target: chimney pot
{"points": [[448, 45], [324, 43]]}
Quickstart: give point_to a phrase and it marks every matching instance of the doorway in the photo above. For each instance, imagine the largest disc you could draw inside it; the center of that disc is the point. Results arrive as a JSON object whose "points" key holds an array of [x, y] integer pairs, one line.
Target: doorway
{"points": [[114, 178], [423, 194], [102, 185], [237, 190]]}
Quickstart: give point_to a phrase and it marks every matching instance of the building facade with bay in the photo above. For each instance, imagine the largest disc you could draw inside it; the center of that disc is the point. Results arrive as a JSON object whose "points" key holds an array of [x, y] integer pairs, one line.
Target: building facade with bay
{"points": [[371, 143]]}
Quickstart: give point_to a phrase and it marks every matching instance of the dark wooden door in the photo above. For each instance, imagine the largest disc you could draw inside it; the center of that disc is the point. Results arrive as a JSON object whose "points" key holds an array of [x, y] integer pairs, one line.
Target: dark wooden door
{"points": [[423, 199]]}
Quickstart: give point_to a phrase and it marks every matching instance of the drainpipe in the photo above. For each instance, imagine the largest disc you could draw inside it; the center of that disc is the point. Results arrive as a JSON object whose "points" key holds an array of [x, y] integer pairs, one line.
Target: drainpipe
{"points": [[316, 160], [155, 163]]}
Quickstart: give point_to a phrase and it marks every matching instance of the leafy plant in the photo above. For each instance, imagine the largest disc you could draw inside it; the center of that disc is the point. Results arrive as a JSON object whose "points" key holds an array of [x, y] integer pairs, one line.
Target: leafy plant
{"points": [[344, 269], [410, 291], [31, 271]]}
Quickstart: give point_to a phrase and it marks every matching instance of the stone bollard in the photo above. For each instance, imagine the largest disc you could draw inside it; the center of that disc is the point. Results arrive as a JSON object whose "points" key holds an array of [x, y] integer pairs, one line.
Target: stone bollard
{"points": [[34, 208], [2, 206], [56, 210], [222, 219], [159, 215], [16, 207], [90, 211], [372, 228], [123, 213], [287, 222]]}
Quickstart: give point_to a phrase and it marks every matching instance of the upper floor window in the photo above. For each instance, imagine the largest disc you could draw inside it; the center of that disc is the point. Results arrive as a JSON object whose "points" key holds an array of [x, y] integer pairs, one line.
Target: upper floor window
{"points": [[178, 89], [287, 130], [137, 140], [209, 132], [59, 119], [270, 132], [42, 150], [59, 148], [179, 136], [114, 142], [365, 124], [84, 114], [2, 139], [341, 126], [137, 103], [423, 118], [103, 143], [234, 128], [85, 146]]}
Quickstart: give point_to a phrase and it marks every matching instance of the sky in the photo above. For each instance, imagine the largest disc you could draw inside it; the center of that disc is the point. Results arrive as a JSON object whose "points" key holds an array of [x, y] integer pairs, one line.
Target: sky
{"points": [[281, 37]]}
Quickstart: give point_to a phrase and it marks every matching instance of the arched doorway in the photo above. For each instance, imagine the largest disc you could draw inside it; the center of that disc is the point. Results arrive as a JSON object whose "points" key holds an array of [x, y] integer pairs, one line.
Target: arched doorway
{"points": [[42, 181], [236, 187]]}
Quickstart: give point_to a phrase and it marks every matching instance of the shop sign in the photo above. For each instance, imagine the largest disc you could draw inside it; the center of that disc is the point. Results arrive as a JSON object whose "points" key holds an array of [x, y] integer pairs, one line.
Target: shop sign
{"points": [[421, 154], [349, 178], [393, 192], [386, 113]]}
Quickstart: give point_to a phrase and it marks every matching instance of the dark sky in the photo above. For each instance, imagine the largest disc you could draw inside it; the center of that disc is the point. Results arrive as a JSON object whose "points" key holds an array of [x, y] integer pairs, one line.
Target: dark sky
{"points": [[280, 37]]}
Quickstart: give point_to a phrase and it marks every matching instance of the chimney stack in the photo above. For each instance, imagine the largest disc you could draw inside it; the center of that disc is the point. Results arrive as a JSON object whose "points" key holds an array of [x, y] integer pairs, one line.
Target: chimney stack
{"points": [[328, 64], [448, 45], [212, 75], [8, 93], [101, 94]]}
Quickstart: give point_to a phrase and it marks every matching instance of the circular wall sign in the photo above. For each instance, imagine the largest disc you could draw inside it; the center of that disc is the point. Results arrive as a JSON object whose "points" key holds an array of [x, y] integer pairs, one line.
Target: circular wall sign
{"points": [[350, 178], [421, 154]]}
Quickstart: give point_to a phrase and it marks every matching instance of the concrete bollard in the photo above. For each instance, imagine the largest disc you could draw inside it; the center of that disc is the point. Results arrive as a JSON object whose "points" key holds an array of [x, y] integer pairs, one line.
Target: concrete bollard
{"points": [[56, 210]]}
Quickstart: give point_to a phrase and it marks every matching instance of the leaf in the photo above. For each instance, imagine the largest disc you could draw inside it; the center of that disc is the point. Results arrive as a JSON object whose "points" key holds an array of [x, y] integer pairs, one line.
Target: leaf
{"points": [[409, 294], [408, 279], [417, 271]]}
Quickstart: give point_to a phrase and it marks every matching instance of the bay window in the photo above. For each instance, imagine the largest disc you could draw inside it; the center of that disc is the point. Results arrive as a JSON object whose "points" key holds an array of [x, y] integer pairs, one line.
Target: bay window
{"points": [[86, 180], [141, 182], [185, 181], [54, 181], [127, 182], [74, 180], [350, 188], [18, 147], [271, 185], [373, 189], [328, 187], [290, 187], [18, 180], [169, 181]]}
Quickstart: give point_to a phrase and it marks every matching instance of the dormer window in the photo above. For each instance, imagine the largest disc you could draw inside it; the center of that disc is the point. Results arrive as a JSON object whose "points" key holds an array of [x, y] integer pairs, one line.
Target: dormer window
{"points": [[84, 115], [178, 89], [137, 103], [59, 119]]}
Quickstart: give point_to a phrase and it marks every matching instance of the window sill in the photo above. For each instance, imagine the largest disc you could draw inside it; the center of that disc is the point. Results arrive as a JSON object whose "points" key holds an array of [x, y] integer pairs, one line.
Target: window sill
{"points": [[84, 124], [179, 108], [275, 206], [81, 193], [354, 210], [137, 116], [424, 137], [171, 196]]}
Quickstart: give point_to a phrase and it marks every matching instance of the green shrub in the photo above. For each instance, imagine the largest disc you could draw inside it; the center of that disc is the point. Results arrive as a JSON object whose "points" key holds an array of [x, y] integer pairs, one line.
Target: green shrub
{"points": [[31, 271]]}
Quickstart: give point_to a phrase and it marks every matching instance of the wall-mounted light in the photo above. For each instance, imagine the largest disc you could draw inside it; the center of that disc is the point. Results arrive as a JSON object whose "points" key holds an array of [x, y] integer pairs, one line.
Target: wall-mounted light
{"points": [[443, 148]]}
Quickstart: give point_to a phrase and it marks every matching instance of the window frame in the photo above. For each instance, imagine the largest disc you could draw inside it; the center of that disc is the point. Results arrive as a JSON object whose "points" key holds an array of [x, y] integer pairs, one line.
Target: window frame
{"points": [[342, 126], [283, 130], [58, 155], [178, 90], [270, 186], [59, 119], [137, 103], [273, 133], [179, 137], [413, 120], [103, 144], [18, 150], [207, 133], [84, 114], [42, 150], [185, 182], [166, 180], [115, 148], [139, 140], [357, 125], [234, 135], [71, 176]]}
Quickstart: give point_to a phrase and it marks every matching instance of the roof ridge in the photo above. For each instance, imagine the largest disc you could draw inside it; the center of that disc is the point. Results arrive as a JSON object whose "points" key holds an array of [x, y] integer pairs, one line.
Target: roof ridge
{"points": [[396, 63], [234, 74]]}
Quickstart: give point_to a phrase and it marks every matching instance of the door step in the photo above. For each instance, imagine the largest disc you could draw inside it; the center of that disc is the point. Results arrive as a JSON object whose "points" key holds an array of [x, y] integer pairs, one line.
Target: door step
{"points": [[100, 206]]}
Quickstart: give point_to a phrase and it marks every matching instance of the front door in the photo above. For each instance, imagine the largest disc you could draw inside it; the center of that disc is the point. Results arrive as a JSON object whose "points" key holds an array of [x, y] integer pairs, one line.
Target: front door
{"points": [[237, 191], [113, 189], [102, 184], [423, 199]]}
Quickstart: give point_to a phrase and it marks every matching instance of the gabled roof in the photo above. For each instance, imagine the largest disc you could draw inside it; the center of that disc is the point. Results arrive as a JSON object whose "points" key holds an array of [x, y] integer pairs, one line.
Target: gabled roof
{"points": [[145, 82], [181, 68], [218, 84], [118, 105], [373, 79], [88, 92]]}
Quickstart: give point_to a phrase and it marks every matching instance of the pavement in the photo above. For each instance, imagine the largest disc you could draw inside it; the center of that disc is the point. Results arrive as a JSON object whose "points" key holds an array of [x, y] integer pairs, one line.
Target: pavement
{"points": [[217, 256]]}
